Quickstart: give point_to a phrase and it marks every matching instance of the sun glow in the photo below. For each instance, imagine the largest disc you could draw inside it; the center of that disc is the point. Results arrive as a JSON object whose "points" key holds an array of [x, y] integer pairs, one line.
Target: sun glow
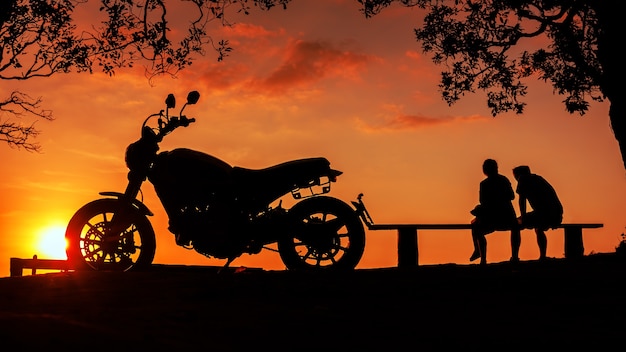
{"points": [[51, 243]]}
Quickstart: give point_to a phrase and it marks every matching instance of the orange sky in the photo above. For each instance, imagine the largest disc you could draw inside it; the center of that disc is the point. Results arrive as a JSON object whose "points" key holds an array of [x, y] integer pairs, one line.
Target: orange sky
{"points": [[318, 80]]}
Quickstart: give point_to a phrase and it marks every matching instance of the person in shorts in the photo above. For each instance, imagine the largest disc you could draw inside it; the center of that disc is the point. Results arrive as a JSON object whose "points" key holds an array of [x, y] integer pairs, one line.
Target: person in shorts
{"points": [[547, 210]]}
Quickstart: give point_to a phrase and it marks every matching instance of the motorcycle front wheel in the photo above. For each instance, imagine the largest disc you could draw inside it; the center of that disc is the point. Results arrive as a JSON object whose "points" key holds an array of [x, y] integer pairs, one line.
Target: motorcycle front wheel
{"points": [[327, 235], [107, 234]]}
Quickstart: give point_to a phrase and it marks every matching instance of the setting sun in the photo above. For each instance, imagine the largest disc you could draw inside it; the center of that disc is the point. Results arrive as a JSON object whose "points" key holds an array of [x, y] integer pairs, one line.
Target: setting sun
{"points": [[51, 243]]}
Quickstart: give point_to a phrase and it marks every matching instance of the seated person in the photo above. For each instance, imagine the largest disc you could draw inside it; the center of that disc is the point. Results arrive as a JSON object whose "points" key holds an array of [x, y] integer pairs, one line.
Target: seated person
{"points": [[547, 210], [495, 211]]}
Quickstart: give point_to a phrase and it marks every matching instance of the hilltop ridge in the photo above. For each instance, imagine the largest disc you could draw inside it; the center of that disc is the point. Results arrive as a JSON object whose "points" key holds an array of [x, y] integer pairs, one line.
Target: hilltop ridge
{"points": [[566, 303]]}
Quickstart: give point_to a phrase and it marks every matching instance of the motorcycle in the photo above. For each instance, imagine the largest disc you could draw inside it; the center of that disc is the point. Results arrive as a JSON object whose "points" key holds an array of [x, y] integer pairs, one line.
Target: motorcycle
{"points": [[218, 210]]}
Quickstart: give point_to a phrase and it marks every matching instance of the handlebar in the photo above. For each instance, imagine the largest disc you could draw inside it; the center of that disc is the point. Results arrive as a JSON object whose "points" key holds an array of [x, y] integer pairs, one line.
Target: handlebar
{"points": [[167, 124], [173, 123]]}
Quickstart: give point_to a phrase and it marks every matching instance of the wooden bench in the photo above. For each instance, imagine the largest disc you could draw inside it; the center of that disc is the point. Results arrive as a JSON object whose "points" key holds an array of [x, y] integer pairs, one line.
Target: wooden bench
{"points": [[408, 253], [17, 265]]}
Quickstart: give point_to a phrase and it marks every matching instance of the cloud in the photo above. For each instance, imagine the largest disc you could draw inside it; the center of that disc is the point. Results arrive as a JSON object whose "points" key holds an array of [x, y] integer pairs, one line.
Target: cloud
{"points": [[404, 122], [13, 214], [396, 120], [252, 41], [307, 62], [64, 187], [246, 30], [114, 159], [220, 77], [412, 54], [416, 121]]}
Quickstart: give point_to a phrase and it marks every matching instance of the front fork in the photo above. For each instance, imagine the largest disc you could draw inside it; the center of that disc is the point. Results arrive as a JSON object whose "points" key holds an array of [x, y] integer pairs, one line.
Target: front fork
{"points": [[129, 197], [129, 204]]}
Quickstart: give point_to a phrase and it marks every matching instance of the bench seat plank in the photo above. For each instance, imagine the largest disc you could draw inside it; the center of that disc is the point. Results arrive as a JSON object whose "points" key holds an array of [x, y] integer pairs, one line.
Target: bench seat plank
{"points": [[463, 226], [408, 253], [420, 226]]}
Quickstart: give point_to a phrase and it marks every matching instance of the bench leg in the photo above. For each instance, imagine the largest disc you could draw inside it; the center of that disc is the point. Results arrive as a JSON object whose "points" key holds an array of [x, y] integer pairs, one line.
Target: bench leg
{"points": [[574, 242], [407, 248], [16, 267]]}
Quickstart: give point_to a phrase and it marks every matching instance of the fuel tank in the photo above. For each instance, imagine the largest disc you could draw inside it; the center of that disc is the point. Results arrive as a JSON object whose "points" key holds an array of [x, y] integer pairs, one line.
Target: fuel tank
{"points": [[186, 177]]}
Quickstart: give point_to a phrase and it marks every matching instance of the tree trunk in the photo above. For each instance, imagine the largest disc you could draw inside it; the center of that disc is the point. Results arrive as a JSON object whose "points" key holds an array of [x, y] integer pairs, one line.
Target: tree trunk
{"points": [[613, 80], [617, 113]]}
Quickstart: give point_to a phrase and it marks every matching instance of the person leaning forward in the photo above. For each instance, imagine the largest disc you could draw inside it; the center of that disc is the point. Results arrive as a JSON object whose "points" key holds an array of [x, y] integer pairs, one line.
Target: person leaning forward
{"points": [[547, 210], [495, 212]]}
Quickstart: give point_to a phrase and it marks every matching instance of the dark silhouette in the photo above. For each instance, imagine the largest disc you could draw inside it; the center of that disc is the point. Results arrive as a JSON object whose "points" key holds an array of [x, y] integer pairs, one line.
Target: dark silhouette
{"points": [[216, 209], [547, 208], [575, 305], [495, 211], [581, 56]]}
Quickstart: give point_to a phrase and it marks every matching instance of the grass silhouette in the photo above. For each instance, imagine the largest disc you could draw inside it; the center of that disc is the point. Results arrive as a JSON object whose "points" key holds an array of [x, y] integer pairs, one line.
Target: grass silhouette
{"points": [[529, 306]]}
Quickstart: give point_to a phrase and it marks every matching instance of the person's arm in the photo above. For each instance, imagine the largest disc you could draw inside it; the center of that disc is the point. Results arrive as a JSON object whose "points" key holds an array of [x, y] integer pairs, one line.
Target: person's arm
{"points": [[481, 193], [522, 205]]}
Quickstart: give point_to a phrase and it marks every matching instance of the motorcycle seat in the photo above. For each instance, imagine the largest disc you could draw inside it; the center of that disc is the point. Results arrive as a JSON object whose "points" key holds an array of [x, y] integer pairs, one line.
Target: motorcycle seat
{"points": [[295, 171]]}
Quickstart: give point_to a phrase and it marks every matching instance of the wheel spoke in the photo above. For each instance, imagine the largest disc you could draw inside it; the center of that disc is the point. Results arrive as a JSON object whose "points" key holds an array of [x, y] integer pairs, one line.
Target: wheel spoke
{"points": [[308, 252], [94, 255], [334, 225], [93, 227]]}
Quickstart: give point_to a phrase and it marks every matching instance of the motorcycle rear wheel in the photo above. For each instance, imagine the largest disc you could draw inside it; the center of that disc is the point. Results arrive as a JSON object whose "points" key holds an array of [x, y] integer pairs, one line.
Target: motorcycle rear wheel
{"points": [[328, 236], [91, 244]]}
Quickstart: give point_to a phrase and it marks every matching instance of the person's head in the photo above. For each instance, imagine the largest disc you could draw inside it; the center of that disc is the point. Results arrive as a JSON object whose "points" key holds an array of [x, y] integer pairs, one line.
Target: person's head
{"points": [[520, 171], [490, 167]]}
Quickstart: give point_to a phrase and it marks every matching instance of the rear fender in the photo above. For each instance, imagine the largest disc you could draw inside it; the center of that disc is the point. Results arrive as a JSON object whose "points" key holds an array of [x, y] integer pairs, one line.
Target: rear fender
{"points": [[135, 203]]}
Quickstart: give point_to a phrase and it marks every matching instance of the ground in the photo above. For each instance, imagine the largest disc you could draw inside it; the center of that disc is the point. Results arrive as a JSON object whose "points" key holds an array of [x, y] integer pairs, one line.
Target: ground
{"points": [[560, 303]]}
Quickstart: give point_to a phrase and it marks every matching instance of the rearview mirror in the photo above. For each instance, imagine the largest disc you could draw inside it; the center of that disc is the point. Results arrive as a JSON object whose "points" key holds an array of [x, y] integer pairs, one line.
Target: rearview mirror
{"points": [[193, 97], [170, 101]]}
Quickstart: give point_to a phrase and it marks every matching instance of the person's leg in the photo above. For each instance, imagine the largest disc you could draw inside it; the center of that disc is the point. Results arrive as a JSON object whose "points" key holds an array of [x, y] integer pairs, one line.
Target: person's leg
{"points": [[479, 230], [516, 241], [482, 245], [475, 239], [542, 241]]}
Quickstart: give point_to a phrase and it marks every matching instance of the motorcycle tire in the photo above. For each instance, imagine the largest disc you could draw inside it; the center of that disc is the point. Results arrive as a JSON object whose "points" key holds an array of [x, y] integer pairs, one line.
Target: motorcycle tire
{"points": [[328, 235], [132, 247]]}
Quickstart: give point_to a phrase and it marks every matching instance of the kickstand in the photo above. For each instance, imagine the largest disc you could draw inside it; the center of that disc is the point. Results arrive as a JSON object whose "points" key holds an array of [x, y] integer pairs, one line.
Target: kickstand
{"points": [[230, 260]]}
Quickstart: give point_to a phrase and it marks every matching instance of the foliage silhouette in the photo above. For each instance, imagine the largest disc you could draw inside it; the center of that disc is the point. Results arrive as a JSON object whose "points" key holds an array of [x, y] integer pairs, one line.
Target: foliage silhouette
{"points": [[579, 51], [41, 39]]}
